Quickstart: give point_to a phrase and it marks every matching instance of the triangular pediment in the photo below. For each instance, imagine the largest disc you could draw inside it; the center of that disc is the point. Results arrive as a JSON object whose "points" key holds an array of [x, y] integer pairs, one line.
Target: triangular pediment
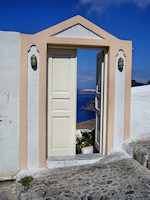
{"points": [[78, 31], [76, 27]]}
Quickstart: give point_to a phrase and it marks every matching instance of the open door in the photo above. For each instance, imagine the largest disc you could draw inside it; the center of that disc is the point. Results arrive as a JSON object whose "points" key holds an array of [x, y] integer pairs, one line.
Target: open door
{"points": [[100, 101]]}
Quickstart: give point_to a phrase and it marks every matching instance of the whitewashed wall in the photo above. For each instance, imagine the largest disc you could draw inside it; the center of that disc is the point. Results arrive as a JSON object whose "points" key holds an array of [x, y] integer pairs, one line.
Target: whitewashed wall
{"points": [[119, 102], [9, 102], [33, 112], [140, 111]]}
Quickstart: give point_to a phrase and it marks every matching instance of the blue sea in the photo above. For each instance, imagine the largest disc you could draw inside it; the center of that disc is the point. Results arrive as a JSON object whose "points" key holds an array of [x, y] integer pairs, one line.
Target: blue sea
{"points": [[84, 115]]}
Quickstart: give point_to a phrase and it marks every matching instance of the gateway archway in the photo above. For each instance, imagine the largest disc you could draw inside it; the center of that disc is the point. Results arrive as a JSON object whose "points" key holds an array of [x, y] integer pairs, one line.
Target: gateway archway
{"points": [[62, 101], [74, 33]]}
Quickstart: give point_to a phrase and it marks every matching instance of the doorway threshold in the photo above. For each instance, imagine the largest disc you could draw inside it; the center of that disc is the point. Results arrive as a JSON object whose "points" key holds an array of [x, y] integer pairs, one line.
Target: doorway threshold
{"points": [[77, 160]]}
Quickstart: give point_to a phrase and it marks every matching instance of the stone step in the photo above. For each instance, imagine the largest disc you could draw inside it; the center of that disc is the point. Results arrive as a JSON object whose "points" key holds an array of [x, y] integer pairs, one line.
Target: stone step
{"points": [[139, 149]]}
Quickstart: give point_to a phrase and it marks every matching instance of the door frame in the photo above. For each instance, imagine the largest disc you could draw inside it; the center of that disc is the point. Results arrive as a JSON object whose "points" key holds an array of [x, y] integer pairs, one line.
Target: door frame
{"points": [[104, 122]]}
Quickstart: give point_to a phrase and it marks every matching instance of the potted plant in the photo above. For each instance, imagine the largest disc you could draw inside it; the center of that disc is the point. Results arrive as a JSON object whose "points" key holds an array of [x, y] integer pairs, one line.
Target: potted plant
{"points": [[86, 142]]}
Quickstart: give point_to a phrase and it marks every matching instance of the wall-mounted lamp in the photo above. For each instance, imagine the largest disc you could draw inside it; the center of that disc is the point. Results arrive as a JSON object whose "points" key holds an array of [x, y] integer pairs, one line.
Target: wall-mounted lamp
{"points": [[34, 62], [120, 64]]}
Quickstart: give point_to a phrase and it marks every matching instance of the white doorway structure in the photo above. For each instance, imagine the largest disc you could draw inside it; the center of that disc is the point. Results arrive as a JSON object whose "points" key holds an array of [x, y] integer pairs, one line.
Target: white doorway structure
{"points": [[57, 89], [61, 101], [61, 122]]}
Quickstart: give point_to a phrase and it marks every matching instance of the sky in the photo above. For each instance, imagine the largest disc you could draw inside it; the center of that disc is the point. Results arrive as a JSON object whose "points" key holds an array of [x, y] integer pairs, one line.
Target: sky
{"points": [[125, 19]]}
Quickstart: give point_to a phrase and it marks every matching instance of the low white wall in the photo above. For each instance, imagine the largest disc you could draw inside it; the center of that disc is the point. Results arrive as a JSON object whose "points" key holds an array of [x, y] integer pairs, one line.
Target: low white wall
{"points": [[9, 102], [140, 111]]}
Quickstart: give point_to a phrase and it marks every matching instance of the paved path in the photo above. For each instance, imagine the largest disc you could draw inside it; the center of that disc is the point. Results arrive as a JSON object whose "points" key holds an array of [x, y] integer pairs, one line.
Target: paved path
{"points": [[8, 191], [124, 180]]}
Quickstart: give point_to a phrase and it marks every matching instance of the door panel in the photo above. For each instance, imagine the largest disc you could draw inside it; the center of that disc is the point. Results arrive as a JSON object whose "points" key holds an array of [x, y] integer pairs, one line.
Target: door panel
{"points": [[60, 76], [61, 123]]}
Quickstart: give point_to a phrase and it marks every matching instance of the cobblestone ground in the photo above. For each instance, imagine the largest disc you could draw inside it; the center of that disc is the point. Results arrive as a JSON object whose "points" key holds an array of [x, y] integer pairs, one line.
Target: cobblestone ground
{"points": [[124, 180], [8, 191]]}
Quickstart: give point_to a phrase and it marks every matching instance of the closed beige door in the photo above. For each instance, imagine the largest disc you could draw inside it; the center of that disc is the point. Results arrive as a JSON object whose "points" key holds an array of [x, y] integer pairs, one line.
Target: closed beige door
{"points": [[62, 81]]}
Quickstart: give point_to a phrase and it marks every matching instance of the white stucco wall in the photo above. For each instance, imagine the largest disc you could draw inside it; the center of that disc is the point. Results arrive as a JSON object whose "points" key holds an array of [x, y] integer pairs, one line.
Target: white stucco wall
{"points": [[119, 103], [33, 112], [140, 111], [9, 102]]}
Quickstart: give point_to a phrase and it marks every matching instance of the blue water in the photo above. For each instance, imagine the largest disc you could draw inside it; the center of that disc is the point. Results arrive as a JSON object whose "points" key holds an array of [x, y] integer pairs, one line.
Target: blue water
{"points": [[84, 115]]}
